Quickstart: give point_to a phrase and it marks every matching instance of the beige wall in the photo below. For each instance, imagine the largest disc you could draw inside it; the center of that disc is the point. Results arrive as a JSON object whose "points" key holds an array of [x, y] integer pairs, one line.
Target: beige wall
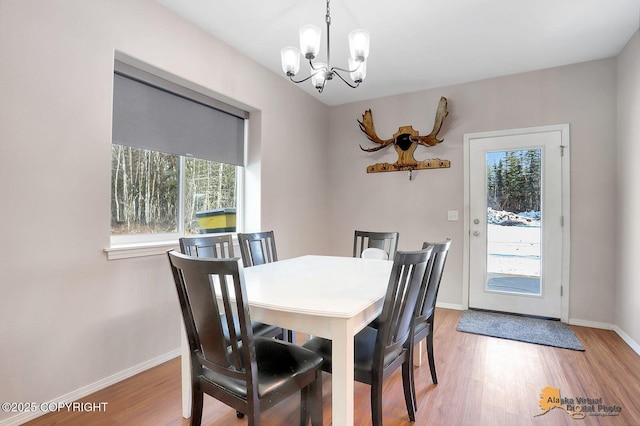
{"points": [[628, 230], [69, 316], [583, 95]]}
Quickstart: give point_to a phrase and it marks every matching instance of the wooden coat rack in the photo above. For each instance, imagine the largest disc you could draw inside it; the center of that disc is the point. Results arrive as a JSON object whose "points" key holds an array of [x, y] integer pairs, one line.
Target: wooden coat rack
{"points": [[405, 141]]}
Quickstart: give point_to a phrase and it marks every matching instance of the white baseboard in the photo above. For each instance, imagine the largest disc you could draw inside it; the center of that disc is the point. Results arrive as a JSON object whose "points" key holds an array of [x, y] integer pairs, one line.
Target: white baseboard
{"points": [[453, 306], [93, 387], [628, 340], [624, 336], [591, 324]]}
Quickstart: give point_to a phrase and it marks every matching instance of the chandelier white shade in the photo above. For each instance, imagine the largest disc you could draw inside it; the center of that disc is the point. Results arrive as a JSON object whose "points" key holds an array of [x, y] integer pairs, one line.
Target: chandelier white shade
{"points": [[359, 70], [359, 44], [310, 40], [320, 73], [290, 60], [319, 77]]}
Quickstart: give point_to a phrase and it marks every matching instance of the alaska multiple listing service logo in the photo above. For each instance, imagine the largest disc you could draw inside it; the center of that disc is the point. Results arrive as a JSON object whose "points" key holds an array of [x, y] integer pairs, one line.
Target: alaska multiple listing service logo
{"points": [[577, 407]]}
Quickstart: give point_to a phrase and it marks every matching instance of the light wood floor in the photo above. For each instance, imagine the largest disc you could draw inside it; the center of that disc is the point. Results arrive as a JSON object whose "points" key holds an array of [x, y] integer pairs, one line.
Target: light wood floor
{"points": [[483, 381]]}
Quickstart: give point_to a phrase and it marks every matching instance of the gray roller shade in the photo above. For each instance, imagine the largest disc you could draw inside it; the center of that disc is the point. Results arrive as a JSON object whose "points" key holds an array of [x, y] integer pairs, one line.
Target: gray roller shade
{"points": [[149, 117]]}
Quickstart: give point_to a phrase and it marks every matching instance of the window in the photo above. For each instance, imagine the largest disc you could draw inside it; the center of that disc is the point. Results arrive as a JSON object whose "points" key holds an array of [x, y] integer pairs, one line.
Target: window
{"points": [[176, 160], [147, 186]]}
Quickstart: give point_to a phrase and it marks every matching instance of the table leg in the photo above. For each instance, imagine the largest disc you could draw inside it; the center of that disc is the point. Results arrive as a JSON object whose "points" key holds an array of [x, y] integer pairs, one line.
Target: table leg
{"points": [[342, 377], [417, 353], [185, 363]]}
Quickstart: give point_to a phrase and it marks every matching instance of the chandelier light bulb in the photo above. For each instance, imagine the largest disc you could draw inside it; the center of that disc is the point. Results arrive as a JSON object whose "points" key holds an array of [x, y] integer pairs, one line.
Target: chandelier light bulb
{"points": [[310, 40], [359, 44], [320, 75], [290, 60], [358, 70]]}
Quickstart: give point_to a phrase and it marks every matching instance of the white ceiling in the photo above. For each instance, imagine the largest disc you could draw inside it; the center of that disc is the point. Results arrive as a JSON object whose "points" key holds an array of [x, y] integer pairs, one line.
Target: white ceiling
{"points": [[421, 44]]}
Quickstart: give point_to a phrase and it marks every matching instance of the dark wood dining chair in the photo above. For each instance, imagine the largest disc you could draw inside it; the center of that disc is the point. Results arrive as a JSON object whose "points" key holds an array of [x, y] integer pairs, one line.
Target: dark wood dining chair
{"points": [[209, 246], [258, 248], [387, 241], [248, 373], [379, 352], [426, 307], [221, 247]]}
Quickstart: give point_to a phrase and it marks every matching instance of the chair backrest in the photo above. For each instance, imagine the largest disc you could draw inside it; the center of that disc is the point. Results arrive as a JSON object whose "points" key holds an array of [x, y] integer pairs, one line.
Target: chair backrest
{"points": [[257, 248], [427, 300], [200, 282], [400, 300], [374, 253], [211, 246], [387, 241]]}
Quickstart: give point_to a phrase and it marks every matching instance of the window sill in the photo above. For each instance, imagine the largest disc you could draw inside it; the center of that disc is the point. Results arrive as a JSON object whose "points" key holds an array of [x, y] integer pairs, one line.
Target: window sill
{"points": [[125, 251]]}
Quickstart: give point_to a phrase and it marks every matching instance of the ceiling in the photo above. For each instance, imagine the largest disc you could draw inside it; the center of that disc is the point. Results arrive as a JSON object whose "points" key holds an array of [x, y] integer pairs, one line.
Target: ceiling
{"points": [[421, 44]]}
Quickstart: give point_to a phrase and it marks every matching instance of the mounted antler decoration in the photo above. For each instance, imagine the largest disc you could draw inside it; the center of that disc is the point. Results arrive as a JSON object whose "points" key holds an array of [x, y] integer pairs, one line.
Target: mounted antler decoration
{"points": [[405, 141]]}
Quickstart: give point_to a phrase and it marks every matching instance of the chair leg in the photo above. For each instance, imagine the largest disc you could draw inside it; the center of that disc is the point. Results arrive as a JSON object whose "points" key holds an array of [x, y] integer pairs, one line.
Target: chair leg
{"points": [[197, 400], [304, 406], [287, 336], [432, 364], [317, 410], [409, 388], [316, 400], [376, 401], [311, 402], [253, 411]]}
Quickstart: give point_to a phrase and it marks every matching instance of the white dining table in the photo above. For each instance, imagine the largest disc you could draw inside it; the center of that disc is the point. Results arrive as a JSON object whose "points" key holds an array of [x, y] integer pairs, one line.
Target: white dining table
{"points": [[325, 296]]}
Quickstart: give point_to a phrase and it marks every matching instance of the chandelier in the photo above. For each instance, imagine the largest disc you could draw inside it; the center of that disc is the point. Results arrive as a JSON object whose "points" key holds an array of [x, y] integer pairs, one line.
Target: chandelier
{"points": [[321, 72]]}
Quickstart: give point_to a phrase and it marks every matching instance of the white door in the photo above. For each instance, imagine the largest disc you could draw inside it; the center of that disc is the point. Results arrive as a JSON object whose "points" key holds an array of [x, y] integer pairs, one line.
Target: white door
{"points": [[516, 194]]}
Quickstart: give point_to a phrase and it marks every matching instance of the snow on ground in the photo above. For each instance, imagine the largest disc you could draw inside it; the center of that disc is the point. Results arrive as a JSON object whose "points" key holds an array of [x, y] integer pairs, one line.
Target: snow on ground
{"points": [[497, 217], [513, 243]]}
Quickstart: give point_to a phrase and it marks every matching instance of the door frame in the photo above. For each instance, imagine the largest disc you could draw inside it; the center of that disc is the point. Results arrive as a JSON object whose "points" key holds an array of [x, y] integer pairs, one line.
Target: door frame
{"points": [[566, 205]]}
